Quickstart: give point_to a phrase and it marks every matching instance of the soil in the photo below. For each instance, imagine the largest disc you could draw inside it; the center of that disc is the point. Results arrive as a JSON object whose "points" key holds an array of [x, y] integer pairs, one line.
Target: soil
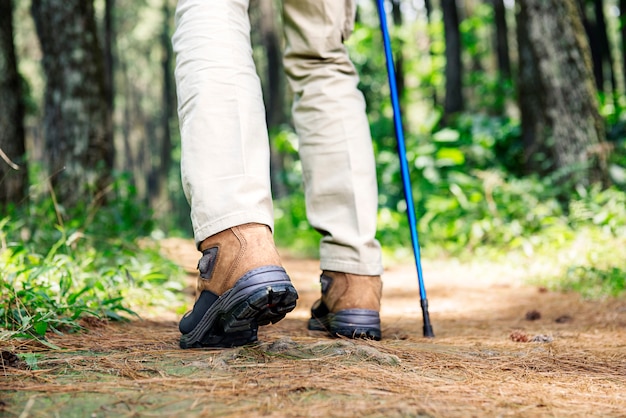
{"points": [[502, 348]]}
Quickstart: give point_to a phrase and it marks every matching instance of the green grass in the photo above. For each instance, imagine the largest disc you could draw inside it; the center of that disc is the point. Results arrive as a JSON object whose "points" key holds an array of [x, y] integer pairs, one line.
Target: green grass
{"points": [[58, 268]]}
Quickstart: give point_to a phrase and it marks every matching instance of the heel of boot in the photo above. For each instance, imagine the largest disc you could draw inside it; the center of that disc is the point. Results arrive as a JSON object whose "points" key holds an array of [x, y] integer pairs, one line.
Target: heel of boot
{"points": [[356, 323], [262, 296]]}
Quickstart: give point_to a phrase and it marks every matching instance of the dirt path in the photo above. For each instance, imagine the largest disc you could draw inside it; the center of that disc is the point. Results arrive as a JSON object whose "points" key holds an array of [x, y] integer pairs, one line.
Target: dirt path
{"points": [[478, 365]]}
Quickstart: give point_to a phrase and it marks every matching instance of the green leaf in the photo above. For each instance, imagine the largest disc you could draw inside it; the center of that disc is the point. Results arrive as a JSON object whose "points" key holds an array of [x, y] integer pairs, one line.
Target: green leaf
{"points": [[74, 296], [446, 135], [41, 327], [31, 359], [450, 157]]}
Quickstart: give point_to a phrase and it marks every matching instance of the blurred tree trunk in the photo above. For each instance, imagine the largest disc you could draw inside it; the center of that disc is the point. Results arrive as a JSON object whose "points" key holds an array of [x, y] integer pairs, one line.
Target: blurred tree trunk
{"points": [[158, 191], [263, 15], [595, 25], [454, 67], [604, 44], [622, 18], [502, 39], [428, 6], [77, 124], [13, 174], [396, 14], [274, 92], [561, 127], [594, 44], [109, 55]]}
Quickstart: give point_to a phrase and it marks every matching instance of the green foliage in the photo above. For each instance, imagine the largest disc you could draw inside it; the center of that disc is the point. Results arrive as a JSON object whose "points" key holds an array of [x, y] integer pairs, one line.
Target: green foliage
{"points": [[58, 267], [593, 282], [603, 208], [293, 231], [473, 200]]}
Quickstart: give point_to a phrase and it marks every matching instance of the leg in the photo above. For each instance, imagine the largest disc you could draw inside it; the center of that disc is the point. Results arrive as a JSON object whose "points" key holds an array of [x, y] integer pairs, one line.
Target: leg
{"points": [[335, 142], [225, 170], [225, 150], [338, 164]]}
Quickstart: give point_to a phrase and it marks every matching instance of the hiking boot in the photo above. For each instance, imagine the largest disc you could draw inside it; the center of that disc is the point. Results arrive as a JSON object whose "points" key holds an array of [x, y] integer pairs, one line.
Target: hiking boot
{"points": [[349, 306], [241, 286]]}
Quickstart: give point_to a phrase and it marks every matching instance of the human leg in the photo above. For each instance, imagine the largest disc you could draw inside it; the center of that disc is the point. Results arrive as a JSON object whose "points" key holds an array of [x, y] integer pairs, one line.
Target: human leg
{"points": [[337, 158], [225, 151], [225, 174]]}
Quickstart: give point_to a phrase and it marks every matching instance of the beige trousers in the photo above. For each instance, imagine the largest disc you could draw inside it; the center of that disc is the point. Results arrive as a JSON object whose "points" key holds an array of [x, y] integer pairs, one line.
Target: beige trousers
{"points": [[225, 149]]}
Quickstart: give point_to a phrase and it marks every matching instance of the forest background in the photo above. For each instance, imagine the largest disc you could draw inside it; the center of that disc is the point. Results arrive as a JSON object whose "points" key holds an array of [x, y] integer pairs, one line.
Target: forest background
{"points": [[513, 113]]}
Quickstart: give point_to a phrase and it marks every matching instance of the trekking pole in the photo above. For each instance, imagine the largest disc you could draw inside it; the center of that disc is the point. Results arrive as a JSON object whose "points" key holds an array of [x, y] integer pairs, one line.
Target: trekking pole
{"points": [[404, 167]]}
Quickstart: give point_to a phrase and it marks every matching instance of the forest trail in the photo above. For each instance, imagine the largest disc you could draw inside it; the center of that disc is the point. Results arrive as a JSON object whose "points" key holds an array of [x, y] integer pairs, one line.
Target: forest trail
{"points": [[502, 348]]}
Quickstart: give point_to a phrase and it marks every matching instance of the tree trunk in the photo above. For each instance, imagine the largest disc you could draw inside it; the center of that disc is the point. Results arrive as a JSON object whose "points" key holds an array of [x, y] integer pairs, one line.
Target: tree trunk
{"points": [[396, 14], [274, 79], [109, 55], [160, 171], [428, 6], [604, 43], [622, 18], [454, 67], [591, 29], [263, 16], [77, 124], [502, 39], [13, 174], [562, 129]]}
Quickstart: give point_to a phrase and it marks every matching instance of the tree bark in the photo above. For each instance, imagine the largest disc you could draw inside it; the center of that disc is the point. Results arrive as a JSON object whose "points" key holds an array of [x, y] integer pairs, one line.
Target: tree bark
{"points": [[601, 53], [502, 39], [396, 14], [453, 102], [274, 80], [109, 55], [263, 15], [622, 14], [13, 173], [562, 129], [77, 125], [158, 192], [428, 6], [604, 43]]}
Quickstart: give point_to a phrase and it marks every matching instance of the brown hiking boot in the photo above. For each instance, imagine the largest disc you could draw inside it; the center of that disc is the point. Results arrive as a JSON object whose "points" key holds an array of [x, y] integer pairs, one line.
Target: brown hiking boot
{"points": [[241, 286], [349, 306]]}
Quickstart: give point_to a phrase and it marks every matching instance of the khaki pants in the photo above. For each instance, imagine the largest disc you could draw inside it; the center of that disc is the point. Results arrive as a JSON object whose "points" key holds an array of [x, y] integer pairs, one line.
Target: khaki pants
{"points": [[225, 149]]}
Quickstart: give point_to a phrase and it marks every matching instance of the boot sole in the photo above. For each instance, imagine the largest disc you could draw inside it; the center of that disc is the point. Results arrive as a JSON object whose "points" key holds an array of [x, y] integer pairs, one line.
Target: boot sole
{"points": [[351, 323], [262, 296]]}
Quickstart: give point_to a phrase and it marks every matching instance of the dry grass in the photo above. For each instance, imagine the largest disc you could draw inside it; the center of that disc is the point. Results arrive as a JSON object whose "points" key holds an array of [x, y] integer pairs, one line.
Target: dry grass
{"points": [[473, 368]]}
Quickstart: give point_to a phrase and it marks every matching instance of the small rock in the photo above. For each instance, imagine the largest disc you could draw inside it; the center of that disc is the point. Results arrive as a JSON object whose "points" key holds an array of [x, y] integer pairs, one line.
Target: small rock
{"points": [[282, 345], [542, 339]]}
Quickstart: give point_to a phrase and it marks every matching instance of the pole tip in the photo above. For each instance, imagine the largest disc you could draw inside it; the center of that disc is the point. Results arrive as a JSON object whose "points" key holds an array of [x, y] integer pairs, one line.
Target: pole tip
{"points": [[428, 331], [428, 328]]}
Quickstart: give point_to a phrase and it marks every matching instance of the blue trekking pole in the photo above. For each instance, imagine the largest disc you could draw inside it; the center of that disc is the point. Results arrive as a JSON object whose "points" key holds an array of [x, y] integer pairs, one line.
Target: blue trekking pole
{"points": [[404, 167]]}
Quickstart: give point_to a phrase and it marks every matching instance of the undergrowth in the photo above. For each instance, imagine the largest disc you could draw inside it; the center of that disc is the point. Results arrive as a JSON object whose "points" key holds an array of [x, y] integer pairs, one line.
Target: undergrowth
{"points": [[488, 215], [58, 268], [473, 200]]}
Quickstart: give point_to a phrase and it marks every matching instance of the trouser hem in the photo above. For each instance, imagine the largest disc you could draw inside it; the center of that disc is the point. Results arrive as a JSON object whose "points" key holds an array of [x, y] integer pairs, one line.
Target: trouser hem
{"points": [[209, 229], [362, 269]]}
